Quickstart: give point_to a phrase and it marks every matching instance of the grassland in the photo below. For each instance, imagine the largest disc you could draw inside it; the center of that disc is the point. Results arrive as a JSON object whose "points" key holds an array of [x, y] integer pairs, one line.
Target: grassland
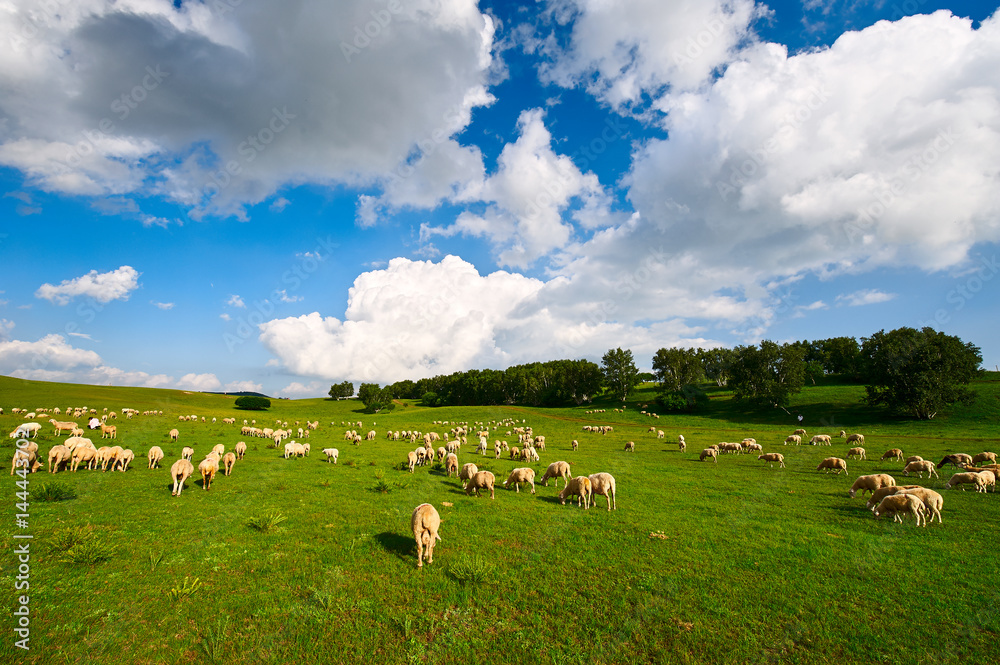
{"points": [[701, 563]]}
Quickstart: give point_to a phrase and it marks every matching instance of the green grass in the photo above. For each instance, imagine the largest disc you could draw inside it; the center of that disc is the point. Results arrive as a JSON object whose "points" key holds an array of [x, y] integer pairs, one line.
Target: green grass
{"points": [[702, 563]]}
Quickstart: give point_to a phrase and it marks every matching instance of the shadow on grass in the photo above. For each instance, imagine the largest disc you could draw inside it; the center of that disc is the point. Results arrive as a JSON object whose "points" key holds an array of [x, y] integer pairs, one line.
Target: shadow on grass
{"points": [[396, 544]]}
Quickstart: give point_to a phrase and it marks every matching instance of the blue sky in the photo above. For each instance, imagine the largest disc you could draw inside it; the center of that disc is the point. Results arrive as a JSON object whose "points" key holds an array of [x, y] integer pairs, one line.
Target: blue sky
{"points": [[281, 196]]}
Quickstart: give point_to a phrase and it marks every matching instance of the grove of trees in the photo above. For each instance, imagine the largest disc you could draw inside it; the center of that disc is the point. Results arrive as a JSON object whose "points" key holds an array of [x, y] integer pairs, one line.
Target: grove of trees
{"points": [[907, 371]]}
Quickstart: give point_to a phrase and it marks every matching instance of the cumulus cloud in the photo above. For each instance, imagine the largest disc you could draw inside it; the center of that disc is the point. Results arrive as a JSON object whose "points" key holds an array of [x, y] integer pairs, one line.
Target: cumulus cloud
{"points": [[215, 110], [163, 305], [102, 287], [529, 193], [201, 382], [243, 387], [418, 318], [236, 301], [624, 50], [299, 390]]}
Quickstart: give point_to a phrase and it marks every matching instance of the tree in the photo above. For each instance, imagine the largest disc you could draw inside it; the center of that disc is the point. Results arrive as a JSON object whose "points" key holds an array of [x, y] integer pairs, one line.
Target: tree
{"points": [[341, 390], [769, 375], [252, 403], [676, 368], [918, 371], [374, 398], [715, 363], [620, 372]]}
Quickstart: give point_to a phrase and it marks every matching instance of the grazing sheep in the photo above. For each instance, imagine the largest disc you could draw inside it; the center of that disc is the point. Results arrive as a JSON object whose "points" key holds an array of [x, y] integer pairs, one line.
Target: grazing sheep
{"points": [[108, 431], [915, 458], [893, 453], [219, 449], [515, 452], [208, 468], [660, 434], [557, 470], [180, 471], [871, 483], [772, 458], [123, 460], [900, 502], [989, 479], [240, 449], [985, 457], [581, 488], [111, 455], [833, 464], [856, 452], [62, 426], [820, 440], [882, 492], [603, 484], [956, 459], [482, 480], [919, 467], [575, 444], [753, 448], [630, 447], [228, 462], [411, 460], [154, 456], [799, 432], [451, 464], [174, 434], [856, 438], [933, 501], [82, 454], [59, 455], [425, 524], [967, 478], [467, 472], [709, 452], [187, 453], [794, 438], [331, 454], [27, 431], [521, 475], [306, 447], [441, 452]]}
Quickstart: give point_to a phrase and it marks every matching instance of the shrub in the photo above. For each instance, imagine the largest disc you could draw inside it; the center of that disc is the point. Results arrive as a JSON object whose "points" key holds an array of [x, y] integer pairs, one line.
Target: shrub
{"points": [[252, 403]]}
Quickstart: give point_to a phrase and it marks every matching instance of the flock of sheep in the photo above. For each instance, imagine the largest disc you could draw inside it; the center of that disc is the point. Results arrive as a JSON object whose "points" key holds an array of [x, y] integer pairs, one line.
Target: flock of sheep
{"points": [[886, 497]]}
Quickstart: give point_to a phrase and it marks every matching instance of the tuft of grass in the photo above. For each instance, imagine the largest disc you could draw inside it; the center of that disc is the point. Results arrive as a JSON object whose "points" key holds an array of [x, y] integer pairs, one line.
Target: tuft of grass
{"points": [[322, 598], [472, 569], [266, 522], [214, 641], [54, 492], [154, 560], [381, 486], [90, 552], [64, 540], [186, 588]]}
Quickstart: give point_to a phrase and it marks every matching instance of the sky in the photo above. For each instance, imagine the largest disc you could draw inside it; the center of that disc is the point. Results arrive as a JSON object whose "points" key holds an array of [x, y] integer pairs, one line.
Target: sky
{"points": [[244, 195]]}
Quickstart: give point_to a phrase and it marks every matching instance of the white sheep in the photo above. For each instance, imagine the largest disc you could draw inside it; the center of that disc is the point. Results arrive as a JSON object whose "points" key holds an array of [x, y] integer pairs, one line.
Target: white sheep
{"points": [[180, 471], [709, 452], [59, 455], [820, 440], [856, 438], [208, 468], [772, 458], [933, 501], [411, 459], [575, 444], [882, 492], [219, 449], [521, 475], [919, 467], [793, 438], [124, 459], [581, 488], [984, 457], [425, 524], [240, 449], [870, 483], [630, 447], [187, 453], [603, 484], [967, 478], [557, 470], [856, 452], [893, 453], [82, 454], [174, 434], [331, 454], [833, 464], [482, 480], [155, 455], [468, 471], [451, 464], [899, 503], [228, 462]]}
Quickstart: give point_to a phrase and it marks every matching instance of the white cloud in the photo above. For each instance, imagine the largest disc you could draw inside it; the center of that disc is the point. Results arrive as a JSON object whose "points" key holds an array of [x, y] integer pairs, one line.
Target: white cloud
{"points": [[236, 301], [298, 390], [6, 326], [107, 98], [530, 191], [418, 318], [864, 297], [202, 382], [243, 386], [622, 50], [102, 287], [163, 305], [225, 317], [284, 297]]}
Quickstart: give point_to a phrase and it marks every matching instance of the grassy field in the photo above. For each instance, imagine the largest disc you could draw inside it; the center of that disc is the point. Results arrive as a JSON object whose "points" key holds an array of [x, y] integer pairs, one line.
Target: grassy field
{"points": [[701, 563]]}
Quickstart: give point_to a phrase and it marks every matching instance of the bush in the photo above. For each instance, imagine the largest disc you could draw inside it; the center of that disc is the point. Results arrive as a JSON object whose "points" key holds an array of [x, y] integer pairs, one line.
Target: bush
{"points": [[252, 403]]}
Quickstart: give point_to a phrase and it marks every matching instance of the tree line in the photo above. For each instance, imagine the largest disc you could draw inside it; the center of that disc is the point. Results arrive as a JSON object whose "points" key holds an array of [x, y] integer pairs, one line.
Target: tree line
{"points": [[915, 372]]}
